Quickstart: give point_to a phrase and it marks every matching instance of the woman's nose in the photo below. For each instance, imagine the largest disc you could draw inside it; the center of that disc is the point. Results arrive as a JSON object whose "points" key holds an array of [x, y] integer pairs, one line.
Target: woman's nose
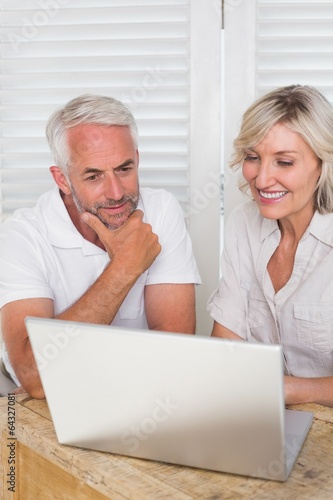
{"points": [[264, 176]]}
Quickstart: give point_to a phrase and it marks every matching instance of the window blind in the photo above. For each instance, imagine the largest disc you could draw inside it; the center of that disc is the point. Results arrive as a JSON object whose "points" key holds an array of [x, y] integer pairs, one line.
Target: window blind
{"points": [[54, 50], [294, 44]]}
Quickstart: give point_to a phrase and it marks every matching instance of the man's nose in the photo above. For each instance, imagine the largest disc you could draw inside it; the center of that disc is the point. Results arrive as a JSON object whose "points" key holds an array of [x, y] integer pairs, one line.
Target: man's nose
{"points": [[113, 188]]}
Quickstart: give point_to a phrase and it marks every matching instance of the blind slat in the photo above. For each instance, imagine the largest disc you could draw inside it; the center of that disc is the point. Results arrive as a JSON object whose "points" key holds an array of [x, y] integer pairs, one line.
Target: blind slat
{"points": [[55, 5], [19, 51], [294, 44], [297, 12], [29, 67], [40, 17]]}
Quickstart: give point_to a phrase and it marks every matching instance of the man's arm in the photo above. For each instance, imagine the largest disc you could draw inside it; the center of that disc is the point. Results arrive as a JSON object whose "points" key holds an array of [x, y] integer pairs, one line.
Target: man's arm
{"points": [[132, 249], [170, 307], [17, 342]]}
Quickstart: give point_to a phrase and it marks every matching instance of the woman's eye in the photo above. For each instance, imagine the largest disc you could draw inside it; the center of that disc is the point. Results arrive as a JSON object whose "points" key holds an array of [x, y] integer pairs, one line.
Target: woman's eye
{"points": [[283, 163], [251, 158]]}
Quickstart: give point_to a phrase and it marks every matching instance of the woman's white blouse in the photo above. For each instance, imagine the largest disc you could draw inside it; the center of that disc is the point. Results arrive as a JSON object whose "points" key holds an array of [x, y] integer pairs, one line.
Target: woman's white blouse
{"points": [[300, 315]]}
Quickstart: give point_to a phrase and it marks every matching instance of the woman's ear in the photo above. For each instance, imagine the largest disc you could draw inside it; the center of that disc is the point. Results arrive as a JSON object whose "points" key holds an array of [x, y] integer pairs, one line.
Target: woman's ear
{"points": [[60, 179]]}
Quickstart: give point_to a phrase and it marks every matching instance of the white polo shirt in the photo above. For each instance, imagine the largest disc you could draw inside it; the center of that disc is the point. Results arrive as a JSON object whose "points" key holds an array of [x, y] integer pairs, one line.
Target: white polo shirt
{"points": [[300, 315], [43, 255]]}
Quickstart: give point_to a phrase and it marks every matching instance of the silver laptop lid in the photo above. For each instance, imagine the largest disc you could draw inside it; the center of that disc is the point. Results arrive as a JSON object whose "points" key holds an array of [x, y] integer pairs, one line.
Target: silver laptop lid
{"points": [[177, 398]]}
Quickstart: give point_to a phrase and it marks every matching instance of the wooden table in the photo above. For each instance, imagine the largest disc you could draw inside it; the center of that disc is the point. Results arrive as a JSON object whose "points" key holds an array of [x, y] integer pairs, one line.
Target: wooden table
{"points": [[44, 469]]}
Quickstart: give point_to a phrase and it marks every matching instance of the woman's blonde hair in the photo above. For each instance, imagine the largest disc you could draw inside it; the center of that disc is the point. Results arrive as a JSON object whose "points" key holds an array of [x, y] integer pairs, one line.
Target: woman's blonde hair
{"points": [[305, 111]]}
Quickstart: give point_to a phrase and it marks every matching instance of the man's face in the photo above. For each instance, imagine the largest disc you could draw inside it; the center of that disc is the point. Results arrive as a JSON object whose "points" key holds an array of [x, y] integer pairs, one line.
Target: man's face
{"points": [[103, 172]]}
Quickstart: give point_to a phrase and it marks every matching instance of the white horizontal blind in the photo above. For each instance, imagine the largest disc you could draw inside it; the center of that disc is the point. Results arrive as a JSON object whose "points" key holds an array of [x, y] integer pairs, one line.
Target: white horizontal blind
{"points": [[54, 50], [294, 44]]}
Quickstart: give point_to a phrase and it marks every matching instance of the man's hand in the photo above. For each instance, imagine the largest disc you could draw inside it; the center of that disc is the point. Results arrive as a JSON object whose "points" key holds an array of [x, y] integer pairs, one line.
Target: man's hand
{"points": [[132, 249], [133, 245]]}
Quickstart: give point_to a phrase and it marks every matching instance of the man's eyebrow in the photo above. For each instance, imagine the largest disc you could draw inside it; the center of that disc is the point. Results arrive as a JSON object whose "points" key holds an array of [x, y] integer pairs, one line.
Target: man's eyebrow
{"points": [[95, 170], [91, 170], [125, 164]]}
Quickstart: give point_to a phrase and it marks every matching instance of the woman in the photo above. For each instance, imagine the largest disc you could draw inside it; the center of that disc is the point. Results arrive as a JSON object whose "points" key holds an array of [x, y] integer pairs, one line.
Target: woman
{"points": [[277, 265]]}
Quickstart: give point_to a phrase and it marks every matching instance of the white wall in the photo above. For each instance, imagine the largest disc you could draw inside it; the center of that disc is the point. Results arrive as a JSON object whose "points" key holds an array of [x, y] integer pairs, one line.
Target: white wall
{"points": [[205, 150], [239, 82]]}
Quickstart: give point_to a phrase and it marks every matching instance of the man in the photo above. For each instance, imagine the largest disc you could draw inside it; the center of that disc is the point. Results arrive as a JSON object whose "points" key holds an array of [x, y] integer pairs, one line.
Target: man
{"points": [[94, 249]]}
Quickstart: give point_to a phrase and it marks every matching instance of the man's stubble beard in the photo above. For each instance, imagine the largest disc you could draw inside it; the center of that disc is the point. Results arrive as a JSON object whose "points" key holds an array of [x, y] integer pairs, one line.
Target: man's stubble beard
{"points": [[131, 199]]}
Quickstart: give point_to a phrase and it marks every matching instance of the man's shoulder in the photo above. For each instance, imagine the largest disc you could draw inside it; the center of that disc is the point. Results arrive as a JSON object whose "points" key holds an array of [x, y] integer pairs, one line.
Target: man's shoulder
{"points": [[25, 220], [161, 210], [155, 195], [156, 199]]}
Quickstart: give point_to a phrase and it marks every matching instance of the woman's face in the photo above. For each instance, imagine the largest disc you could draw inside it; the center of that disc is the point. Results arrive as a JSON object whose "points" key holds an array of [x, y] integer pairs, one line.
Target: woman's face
{"points": [[282, 172]]}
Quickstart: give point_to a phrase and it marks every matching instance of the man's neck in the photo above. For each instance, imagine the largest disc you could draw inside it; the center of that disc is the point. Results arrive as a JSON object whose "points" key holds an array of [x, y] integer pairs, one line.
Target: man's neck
{"points": [[87, 233]]}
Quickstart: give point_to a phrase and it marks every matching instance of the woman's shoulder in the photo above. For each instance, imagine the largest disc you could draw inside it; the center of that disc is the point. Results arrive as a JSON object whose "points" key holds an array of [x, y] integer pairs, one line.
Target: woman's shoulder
{"points": [[246, 212]]}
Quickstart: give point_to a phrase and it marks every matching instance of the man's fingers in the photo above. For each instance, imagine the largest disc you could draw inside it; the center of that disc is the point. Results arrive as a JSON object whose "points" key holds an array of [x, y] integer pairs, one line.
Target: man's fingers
{"points": [[106, 235], [95, 224], [98, 226], [137, 214], [133, 244]]}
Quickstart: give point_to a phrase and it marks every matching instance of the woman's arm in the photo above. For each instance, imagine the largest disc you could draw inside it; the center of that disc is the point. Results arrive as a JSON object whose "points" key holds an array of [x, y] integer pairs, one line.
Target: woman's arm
{"points": [[297, 390], [308, 390], [221, 331]]}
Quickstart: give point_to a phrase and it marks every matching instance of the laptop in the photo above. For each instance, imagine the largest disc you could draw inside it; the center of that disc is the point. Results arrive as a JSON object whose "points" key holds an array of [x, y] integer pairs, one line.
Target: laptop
{"points": [[191, 400]]}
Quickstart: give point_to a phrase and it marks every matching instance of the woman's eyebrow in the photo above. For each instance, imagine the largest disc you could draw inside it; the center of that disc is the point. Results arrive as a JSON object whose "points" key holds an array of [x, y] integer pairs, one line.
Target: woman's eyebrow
{"points": [[285, 151]]}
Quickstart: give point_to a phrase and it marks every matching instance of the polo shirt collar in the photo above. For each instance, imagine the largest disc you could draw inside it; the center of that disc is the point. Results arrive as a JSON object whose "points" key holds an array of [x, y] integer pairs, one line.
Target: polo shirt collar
{"points": [[60, 229]]}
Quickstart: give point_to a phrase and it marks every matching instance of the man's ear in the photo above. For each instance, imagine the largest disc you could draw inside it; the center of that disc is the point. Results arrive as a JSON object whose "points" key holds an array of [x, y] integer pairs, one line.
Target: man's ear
{"points": [[60, 179]]}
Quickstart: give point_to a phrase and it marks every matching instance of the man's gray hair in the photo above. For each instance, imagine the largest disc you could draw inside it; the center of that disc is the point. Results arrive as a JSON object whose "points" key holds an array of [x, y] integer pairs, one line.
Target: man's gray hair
{"points": [[88, 109]]}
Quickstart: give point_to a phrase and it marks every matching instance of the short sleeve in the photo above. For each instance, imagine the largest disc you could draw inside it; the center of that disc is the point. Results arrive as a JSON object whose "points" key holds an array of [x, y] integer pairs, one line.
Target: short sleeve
{"points": [[176, 262], [23, 272]]}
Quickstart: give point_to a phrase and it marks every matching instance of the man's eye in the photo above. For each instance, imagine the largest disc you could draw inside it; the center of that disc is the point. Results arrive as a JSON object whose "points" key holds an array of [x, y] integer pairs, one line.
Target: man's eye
{"points": [[124, 170], [92, 177]]}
